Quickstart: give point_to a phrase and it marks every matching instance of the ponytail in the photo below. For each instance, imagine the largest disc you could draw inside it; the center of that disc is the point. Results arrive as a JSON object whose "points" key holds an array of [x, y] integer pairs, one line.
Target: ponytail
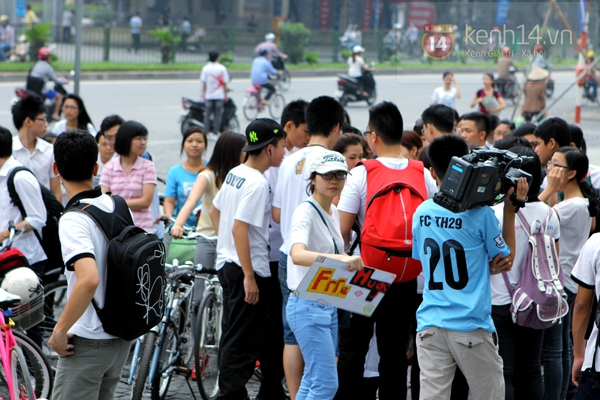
{"points": [[577, 161], [589, 193], [353, 57]]}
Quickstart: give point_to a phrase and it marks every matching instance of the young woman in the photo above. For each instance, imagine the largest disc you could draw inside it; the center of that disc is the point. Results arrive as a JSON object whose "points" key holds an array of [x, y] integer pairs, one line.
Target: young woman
{"points": [[181, 177], [76, 116], [489, 99], [411, 145], [226, 155], [521, 347], [350, 146], [131, 176], [316, 232], [567, 172], [356, 66], [447, 94]]}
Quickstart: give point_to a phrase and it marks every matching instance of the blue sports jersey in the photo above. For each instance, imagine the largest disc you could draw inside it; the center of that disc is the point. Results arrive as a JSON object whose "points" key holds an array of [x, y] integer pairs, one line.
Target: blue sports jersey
{"points": [[454, 250]]}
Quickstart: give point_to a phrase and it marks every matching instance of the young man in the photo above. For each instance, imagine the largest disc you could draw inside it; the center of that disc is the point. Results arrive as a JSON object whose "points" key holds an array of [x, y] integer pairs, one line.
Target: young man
{"points": [[438, 120], [44, 71], [271, 360], [29, 117], [214, 79], [395, 313], [454, 322], [586, 356], [474, 128], [552, 134], [240, 215], [92, 360], [259, 74], [135, 23], [324, 118]]}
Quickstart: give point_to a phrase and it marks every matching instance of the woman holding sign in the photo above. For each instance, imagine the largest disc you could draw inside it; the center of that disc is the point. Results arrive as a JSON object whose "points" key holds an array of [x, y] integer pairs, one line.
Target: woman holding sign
{"points": [[316, 233]]}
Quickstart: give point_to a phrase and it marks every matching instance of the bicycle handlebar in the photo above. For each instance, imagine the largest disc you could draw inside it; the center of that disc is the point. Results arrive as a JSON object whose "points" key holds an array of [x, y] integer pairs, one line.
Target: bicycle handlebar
{"points": [[13, 233]]}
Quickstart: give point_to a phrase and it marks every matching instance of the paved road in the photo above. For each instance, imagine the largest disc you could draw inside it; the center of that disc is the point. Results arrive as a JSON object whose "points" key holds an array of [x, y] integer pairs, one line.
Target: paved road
{"points": [[157, 104]]}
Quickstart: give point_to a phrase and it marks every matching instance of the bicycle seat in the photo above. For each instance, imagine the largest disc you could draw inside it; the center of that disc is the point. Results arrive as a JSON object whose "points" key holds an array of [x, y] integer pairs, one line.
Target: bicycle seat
{"points": [[252, 90], [7, 299]]}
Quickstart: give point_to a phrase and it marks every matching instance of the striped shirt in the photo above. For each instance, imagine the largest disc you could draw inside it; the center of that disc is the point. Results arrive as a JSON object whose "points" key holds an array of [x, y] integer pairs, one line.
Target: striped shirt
{"points": [[130, 185]]}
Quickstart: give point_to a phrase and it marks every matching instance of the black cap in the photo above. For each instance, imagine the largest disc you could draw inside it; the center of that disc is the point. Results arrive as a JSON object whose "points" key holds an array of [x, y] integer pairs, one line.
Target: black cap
{"points": [[261, 132]]}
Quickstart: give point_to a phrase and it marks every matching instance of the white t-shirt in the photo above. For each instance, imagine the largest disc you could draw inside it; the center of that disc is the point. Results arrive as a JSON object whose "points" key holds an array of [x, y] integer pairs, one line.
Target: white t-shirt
{"points": [[354, 194], [244, 196], [355, 67], [447, 98], [575, 225], [214, 75], [291, 188], [532, 212], [587, 273], [80, 237], [61, 127], [595, 175], [309, 229]]}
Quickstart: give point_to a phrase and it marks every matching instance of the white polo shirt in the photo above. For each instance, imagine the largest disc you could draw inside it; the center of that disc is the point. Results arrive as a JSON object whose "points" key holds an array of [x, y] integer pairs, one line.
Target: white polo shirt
{"points": [[30, 194], [39, 162]]}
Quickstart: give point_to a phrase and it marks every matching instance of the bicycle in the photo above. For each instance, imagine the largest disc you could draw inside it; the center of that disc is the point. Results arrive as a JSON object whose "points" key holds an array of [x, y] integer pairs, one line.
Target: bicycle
{"points": [[285, 78], [253, 104], [166, 348], [33, 367]]}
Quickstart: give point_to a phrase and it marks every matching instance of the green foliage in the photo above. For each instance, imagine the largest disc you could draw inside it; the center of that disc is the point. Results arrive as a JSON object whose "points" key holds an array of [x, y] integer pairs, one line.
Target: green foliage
{"points": [[312, 57], [166, 37], [39, 33], [346, 53], [294, 38], [226, 58]]}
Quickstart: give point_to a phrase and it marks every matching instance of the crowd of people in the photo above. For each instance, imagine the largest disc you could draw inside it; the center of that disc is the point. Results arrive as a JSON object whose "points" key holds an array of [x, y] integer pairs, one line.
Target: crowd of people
{"points": [[272, 201]]}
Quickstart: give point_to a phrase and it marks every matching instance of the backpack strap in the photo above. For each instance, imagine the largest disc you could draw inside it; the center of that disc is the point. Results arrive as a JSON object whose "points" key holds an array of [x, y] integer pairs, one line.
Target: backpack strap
{"points": [[14, 196], [325, 222], [112, 224]]}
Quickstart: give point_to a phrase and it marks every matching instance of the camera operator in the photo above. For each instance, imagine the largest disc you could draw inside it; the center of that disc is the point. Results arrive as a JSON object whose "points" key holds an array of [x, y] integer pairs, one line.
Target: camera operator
{"points": [[461, 306]]}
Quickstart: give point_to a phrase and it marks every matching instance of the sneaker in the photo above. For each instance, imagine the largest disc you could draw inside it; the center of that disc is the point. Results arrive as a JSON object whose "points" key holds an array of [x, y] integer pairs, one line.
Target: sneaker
{"points": [[265, 102]]}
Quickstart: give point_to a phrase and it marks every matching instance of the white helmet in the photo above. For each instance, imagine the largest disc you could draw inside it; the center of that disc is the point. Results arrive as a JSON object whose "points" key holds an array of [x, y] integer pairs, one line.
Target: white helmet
{"points": [[23, 282], [270, 37], [358, 49]]}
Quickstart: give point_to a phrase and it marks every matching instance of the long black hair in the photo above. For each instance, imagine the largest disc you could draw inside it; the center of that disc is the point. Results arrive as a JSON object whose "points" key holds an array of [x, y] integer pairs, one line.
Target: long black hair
{"points": [[577, 161], [83, 118], [226, 155], [533, 167]]}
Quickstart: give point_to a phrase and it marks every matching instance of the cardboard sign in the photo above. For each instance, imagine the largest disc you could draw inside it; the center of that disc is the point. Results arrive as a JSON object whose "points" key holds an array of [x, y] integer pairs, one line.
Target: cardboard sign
{"points": [[360, 292]]}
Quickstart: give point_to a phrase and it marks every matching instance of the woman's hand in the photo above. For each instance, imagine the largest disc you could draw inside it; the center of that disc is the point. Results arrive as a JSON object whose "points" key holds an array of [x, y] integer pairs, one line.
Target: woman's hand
{"points": [[177, 231], [355, 263], [557, 178]]}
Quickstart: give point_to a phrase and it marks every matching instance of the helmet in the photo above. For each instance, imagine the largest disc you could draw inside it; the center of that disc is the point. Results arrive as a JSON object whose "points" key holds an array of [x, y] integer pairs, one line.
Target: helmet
{"points": [[358, 49], [538, 48], [396, 26], [506, 51], [3, 18], [590, 54], [270, 37], [44, 53], [24, 283]]}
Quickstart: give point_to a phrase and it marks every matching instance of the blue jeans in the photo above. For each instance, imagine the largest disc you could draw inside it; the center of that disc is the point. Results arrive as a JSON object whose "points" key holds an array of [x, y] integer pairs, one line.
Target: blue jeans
{"points": [[4, 47], [217, 106], [585, 390], [288, 335], [316, 327]]}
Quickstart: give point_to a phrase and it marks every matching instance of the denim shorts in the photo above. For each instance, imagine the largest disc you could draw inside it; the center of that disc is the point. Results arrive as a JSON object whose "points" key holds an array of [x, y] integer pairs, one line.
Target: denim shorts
{"points": [[288, 335]]}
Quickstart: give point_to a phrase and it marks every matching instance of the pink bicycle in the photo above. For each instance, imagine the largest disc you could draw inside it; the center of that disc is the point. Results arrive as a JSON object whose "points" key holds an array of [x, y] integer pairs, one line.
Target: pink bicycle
{"points": [[253, 103], [15, 381]]}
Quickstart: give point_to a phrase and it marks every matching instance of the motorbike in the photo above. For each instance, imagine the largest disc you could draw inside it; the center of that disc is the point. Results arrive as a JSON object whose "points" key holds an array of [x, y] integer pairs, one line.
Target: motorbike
{"points": [[350, 90], [285, 79], [509, 88], [35, 88], [193, 114]]}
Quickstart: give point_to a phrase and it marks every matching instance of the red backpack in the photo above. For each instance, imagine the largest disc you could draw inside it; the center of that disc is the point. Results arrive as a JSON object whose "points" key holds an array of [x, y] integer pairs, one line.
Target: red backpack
{"points": [[392, 198]]}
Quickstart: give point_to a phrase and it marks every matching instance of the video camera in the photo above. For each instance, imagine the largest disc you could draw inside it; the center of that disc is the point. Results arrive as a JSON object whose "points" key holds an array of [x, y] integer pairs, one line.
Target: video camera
{"points": [[479, 178]]}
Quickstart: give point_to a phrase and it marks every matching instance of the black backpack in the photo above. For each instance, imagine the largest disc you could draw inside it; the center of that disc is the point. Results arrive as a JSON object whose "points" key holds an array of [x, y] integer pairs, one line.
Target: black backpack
{"points": [[135, 274], [49, 238]]}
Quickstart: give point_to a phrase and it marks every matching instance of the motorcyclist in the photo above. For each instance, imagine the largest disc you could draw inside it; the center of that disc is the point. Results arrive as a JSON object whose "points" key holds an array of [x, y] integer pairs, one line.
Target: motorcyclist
{"points": [[7, 37], [391, 41], [504, 76], [357, 68], [537, 59], [590, 83], [271, 48], [43, 71]]}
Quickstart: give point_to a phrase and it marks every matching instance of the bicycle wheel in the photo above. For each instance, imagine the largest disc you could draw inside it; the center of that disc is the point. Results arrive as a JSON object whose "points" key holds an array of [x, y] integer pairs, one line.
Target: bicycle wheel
{"points": [[40, 369], [55, 299], [21, 381], [206, 346], [286, 80], [276, 106], [160, 383], [143, 366], [251, 107], [185, 332]]}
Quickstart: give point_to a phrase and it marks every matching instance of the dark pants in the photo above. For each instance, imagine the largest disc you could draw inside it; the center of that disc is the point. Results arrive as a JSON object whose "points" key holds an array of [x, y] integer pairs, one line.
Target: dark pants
{"points": [[521, 350], [217, 106], [585, 390], [393, 316], [271, 357], [135, 41], [66, 34], [270, 90], [244, 329]]}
